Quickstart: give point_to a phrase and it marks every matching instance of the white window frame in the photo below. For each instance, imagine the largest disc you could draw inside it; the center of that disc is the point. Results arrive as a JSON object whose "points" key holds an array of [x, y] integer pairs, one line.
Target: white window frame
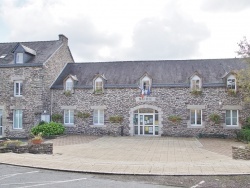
{"points": [[99, 113], [98, 80], [195, 117], [19, 58], [229, 82], [194, 85], [231, 118], [69, 84], [68, 116], [18, 93], [19, 114], [147, 82]]}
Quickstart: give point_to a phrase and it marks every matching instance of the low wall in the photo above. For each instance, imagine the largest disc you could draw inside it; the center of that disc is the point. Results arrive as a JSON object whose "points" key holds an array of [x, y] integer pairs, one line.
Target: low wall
{"points": [[44, 148], [241, 152]]}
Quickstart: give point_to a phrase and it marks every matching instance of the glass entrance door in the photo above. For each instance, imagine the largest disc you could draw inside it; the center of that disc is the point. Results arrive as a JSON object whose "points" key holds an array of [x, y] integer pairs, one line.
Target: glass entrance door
{"points": [[146, 123], [1, 125]]}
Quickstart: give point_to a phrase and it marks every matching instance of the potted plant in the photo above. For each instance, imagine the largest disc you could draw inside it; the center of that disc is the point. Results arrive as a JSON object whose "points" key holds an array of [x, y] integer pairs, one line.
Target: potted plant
{"points": [[67, 93], [232, 92], [215, 118], [174, 118], [38, 139], [196, 92]]}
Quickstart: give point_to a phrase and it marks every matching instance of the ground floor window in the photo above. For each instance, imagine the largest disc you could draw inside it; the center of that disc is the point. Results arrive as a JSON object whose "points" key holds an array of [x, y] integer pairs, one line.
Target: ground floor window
{"points": [[232, 117], [98, 117], [68, 117], [196, 117], [18, 119], [146, 122]]}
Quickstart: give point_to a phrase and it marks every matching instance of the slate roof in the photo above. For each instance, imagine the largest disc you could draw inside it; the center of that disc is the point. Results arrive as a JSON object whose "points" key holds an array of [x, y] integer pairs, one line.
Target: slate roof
{"points": [[41, 49], [164, 73]]}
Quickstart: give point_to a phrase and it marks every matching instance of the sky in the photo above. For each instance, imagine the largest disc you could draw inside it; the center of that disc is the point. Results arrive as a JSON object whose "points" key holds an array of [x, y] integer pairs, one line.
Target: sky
{"points": [[121, 30]]}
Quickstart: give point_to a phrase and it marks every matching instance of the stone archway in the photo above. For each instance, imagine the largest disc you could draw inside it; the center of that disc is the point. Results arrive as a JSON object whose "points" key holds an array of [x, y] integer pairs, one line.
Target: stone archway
{"points": [[145, 106]]}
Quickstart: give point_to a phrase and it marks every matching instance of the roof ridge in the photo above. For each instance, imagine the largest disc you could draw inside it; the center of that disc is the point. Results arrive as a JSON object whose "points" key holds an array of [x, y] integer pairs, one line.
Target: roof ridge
{"points": [[28, 41], [131, 61]]}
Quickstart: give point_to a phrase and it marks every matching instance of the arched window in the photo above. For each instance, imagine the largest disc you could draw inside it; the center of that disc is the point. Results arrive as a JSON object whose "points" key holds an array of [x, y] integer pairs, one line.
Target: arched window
{"points": [[69, 84]]}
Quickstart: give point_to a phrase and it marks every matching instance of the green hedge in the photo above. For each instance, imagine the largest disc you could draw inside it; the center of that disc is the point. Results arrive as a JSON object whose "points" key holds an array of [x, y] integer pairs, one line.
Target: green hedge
{"points": [[48, 129]]}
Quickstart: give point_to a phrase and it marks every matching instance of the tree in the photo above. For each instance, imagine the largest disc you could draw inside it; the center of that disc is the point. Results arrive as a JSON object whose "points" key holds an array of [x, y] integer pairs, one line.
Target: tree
{"points": [[243, 76]]}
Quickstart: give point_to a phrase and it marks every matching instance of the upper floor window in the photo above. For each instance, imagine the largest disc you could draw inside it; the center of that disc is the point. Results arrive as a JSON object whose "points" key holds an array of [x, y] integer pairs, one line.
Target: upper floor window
{"points": [[98, 117], [231, 82], [232, 118], [69, 84], [195, 83], [18, 88], [17, 119], [146, 85], [19, 58], [196, 117], [98, 85]]}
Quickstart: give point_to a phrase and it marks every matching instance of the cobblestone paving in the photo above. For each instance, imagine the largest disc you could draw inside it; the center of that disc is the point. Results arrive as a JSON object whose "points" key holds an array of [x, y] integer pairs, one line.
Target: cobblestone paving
{"points": [[219, 145], [73, 139]]}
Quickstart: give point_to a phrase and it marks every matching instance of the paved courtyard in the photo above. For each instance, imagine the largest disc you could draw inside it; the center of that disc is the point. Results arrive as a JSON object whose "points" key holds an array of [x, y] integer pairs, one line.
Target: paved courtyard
{"points": [[137, 155]]}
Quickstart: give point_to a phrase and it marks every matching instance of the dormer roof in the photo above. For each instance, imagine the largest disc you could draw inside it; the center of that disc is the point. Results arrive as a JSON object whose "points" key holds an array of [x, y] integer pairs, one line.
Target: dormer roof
{"points": [[25, 49]]}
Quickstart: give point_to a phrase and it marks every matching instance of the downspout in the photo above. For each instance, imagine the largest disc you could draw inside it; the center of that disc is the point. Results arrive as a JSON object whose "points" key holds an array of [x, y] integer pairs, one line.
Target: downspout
{"points": [[51, 104]]}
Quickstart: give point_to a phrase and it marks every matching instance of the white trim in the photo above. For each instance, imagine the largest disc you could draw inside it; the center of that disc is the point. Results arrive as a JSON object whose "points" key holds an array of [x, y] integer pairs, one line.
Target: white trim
{"points": [[195, 118], [232, 107], [14, 114], [70, 112], [21, 59], [194, 107], [99, 117], [68, 107], [20, 87], [231, 119], [232, 77]]}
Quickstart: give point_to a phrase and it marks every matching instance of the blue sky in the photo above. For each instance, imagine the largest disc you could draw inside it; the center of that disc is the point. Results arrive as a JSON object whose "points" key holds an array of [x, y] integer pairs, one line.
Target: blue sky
{"points": [[113, 30]]}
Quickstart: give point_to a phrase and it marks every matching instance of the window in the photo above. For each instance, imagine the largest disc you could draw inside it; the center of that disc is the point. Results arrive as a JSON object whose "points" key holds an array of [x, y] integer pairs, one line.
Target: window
{"points": [[98, 85], [98, 117], [68, 116], [232, 117], [69, 84], [195, 83], [196, 117], [19, 58], [146, 85], [18, 119], [18, 88], [231, 82]]}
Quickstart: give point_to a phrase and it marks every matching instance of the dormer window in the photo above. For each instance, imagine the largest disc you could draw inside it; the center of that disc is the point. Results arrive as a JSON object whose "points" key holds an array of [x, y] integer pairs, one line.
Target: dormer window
{"points": [[69, 84], [196, 83], [19, 58], [231, 82], [145, 84], [98, 85]]}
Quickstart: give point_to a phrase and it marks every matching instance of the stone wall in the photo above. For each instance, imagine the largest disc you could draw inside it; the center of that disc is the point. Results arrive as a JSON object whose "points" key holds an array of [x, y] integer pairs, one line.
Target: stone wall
{"points": [[241, 152], [44, 148], [171, 101]]}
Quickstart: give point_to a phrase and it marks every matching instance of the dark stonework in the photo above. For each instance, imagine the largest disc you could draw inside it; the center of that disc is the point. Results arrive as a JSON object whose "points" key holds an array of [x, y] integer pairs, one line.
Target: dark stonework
{"points": [[241, 152]]}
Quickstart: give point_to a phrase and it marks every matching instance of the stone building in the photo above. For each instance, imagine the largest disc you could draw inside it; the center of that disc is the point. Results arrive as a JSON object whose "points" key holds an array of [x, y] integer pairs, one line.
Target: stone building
{"points": [[27, 70], [172, 97]]}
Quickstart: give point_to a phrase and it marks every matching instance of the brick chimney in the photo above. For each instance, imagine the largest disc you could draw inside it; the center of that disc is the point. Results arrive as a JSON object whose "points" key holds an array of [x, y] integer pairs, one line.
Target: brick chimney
{"points": [[63, 39]]}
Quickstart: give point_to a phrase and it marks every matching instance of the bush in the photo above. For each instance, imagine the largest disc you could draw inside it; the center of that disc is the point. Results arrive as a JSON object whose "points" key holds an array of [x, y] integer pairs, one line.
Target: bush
{"points": [[48, 129], [174, 118]]}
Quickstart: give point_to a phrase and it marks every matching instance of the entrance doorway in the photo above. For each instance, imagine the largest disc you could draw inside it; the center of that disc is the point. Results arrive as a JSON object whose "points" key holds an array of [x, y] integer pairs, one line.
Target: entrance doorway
{"points": [[146, 122], [1, 123]]}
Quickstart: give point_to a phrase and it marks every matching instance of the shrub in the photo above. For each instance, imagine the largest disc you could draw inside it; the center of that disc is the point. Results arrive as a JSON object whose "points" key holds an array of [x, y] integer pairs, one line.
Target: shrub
{"points": [[232, 92], [48, 129], [12, 143], [215, 118], [57, 117], [116, 119]]}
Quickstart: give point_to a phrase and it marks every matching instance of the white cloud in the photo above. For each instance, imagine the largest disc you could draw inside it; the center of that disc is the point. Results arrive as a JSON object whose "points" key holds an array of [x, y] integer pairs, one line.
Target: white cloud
{"points": [[126, 29]]}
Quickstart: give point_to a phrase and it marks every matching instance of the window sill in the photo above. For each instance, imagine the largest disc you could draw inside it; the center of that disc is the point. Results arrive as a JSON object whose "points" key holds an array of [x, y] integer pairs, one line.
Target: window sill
{"points": [[98, 126], [69, 125], [18, 130], [231, 127]]}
